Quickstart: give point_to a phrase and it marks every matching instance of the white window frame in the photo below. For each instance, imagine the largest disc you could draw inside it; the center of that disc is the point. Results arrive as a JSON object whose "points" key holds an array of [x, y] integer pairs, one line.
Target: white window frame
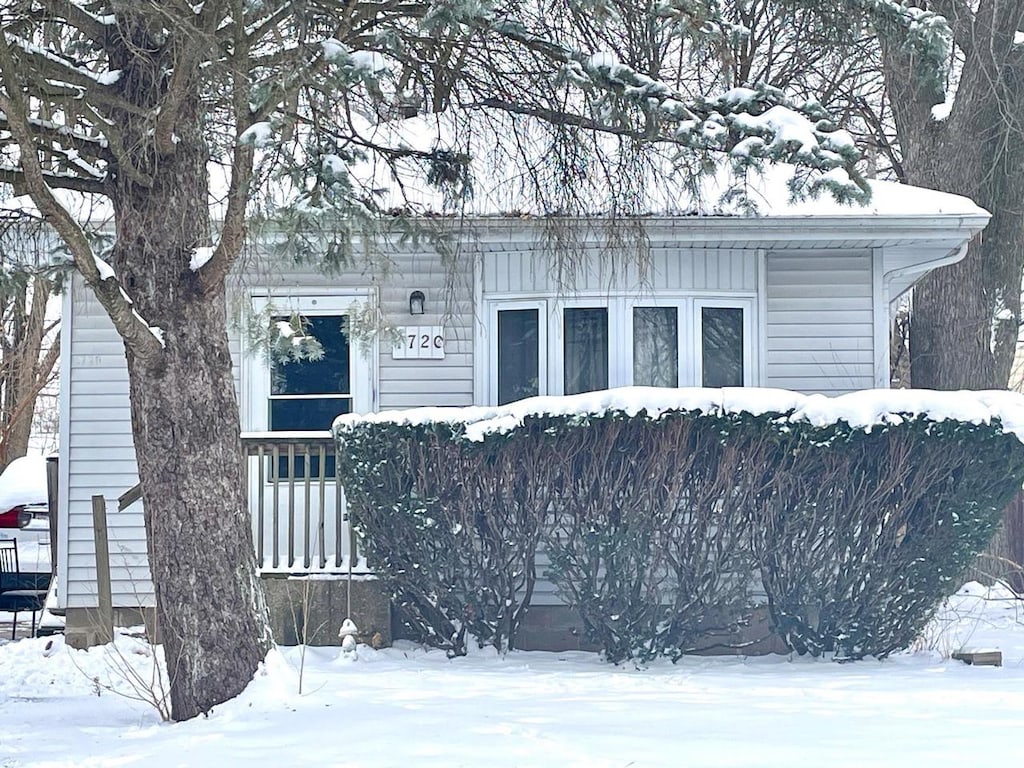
{"points": [[684, 361], [543, 351], [557, 333], [551, 335], [256, 368], [749, 342]]}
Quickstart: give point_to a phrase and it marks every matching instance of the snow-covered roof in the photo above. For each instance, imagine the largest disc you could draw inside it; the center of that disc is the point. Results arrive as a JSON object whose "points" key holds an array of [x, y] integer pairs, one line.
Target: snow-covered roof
{"points": [[769, 191], [501, 189]]}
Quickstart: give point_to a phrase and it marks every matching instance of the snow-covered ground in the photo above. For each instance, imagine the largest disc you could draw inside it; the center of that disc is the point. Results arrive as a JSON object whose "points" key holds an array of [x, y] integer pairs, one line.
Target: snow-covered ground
{"points": [[407, 707]]}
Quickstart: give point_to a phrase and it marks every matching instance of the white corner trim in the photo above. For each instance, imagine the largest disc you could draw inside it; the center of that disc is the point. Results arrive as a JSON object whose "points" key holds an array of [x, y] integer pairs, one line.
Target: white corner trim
{"points": [[880, 319], [64, 437]]}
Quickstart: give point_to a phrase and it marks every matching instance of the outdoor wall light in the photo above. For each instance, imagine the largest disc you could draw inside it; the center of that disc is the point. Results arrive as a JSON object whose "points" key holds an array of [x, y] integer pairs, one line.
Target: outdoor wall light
{"points": [[416, 302]]}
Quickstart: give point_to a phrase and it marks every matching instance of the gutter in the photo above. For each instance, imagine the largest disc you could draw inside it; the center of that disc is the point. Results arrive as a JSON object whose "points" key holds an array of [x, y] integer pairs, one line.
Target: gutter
{"points": [[927, 266]]}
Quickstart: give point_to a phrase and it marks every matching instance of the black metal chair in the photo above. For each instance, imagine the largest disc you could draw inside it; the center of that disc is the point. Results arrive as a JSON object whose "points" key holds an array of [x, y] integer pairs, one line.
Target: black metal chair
{"points": [[15, 594]]}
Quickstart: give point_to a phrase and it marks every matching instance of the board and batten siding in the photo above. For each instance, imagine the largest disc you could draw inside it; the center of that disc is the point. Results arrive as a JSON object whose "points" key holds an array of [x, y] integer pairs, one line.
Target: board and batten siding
{"points": [[97, 452], [820, 321], [518, 269]]}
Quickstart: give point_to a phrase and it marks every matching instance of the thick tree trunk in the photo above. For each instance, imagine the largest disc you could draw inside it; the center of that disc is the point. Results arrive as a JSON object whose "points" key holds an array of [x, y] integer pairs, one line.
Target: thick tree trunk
{"points": [[185, 417], [963, 331], [185, 420]]}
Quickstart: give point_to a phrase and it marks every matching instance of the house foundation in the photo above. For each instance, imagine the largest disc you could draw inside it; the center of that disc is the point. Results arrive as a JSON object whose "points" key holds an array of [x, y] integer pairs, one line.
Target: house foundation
{"points": [[310, 609], [306, 609]]}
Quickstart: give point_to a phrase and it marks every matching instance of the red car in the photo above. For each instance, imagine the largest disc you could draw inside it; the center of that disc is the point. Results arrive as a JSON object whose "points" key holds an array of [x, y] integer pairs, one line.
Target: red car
{"points": [[15, 517]]}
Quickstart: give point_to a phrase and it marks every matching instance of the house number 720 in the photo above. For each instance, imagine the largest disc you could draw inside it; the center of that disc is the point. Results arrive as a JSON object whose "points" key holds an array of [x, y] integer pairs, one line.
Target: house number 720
{"points": [[425, 340]]}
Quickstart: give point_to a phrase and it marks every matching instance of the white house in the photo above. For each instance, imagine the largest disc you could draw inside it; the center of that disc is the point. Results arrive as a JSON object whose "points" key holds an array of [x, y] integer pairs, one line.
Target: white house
{"points": [[797, 297]]}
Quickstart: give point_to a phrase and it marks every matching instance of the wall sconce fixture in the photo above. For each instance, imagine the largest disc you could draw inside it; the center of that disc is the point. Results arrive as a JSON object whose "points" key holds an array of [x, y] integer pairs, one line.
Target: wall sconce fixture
{"points": [[416, 303]]}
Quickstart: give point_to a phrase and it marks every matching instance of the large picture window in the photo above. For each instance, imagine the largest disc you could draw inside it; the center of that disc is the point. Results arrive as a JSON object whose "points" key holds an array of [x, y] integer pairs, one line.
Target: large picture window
{"points": [[669, 341]]}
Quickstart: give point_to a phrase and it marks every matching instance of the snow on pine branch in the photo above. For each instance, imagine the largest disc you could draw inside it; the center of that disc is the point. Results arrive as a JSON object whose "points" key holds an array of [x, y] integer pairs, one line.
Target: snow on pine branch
{"points": [[924, 33], [861, 410], [751, 124]]}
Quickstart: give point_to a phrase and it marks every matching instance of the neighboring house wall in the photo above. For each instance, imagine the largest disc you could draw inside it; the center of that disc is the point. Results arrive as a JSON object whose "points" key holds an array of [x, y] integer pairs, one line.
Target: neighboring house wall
{"points": [[811, 328], [97, 457]]}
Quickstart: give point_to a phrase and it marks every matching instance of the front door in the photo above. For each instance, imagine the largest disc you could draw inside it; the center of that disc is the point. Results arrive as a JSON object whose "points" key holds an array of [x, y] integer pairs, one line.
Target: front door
{"points": [[299, 521]]}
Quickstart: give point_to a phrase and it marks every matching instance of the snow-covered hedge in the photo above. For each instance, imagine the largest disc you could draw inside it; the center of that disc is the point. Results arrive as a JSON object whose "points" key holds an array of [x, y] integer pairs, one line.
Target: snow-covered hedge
{"points": [[657, 507]]}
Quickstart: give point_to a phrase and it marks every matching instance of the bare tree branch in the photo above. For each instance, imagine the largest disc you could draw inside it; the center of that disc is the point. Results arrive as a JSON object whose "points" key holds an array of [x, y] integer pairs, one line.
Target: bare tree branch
{"points": [[133, 329], [18, 180], [232, 234]]}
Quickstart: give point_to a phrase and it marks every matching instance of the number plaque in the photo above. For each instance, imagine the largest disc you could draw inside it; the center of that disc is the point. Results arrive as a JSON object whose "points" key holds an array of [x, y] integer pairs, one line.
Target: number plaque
{"points": [[419, 342]]}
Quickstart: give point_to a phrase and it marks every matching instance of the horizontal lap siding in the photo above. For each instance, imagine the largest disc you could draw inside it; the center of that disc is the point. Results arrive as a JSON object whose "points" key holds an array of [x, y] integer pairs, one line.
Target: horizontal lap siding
{"points": [[402, 383], [100, 459], [411, 383], [820, 322], [99, 450]]}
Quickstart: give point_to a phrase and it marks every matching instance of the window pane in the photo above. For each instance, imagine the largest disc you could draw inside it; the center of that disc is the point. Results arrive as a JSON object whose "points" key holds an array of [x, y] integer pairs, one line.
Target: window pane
{"points": [[586, 350], [329, 374], [518, 354], [722, 346], [656, 346], [306, 414]]}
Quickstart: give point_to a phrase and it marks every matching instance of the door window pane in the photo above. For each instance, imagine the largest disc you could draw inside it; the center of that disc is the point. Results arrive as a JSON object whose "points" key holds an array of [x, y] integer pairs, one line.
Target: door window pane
{"points": [[307, 395], [518, 354], [722, 346], [586, 350], [656, 346], [329, 374]]}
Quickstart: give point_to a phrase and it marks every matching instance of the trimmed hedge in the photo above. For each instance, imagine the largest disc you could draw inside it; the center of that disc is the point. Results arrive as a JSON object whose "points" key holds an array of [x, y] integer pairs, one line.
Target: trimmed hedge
{"points": [[858, 534], [658, 526], [451, 526]]}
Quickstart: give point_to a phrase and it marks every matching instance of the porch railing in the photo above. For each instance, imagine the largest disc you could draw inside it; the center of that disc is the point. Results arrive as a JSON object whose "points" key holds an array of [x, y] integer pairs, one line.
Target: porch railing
{"points": [[300, 523]]}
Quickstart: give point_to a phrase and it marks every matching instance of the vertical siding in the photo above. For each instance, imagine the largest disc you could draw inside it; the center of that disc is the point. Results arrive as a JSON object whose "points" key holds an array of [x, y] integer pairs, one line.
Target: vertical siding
{"points": [[820, 327], [520, 269]]}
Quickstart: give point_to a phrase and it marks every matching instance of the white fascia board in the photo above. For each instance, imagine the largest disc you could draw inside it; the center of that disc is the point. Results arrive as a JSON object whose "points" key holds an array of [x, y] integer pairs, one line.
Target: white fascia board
{"points": [[870, 230]]}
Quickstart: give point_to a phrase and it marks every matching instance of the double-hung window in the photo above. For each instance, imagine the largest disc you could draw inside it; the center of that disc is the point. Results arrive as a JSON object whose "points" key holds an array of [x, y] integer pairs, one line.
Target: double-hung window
{"points": [[552, 346]]}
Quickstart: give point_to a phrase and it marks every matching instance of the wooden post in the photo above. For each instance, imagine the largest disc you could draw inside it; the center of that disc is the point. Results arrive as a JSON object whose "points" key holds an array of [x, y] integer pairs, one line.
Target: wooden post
{"points": [[105, 608], [52, 476]]}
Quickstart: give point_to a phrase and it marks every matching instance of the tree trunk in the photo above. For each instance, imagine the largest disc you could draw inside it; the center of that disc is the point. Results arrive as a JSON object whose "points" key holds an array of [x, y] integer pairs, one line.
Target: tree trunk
{"points": [[24, 369], [185, 417], [963, 331]]}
